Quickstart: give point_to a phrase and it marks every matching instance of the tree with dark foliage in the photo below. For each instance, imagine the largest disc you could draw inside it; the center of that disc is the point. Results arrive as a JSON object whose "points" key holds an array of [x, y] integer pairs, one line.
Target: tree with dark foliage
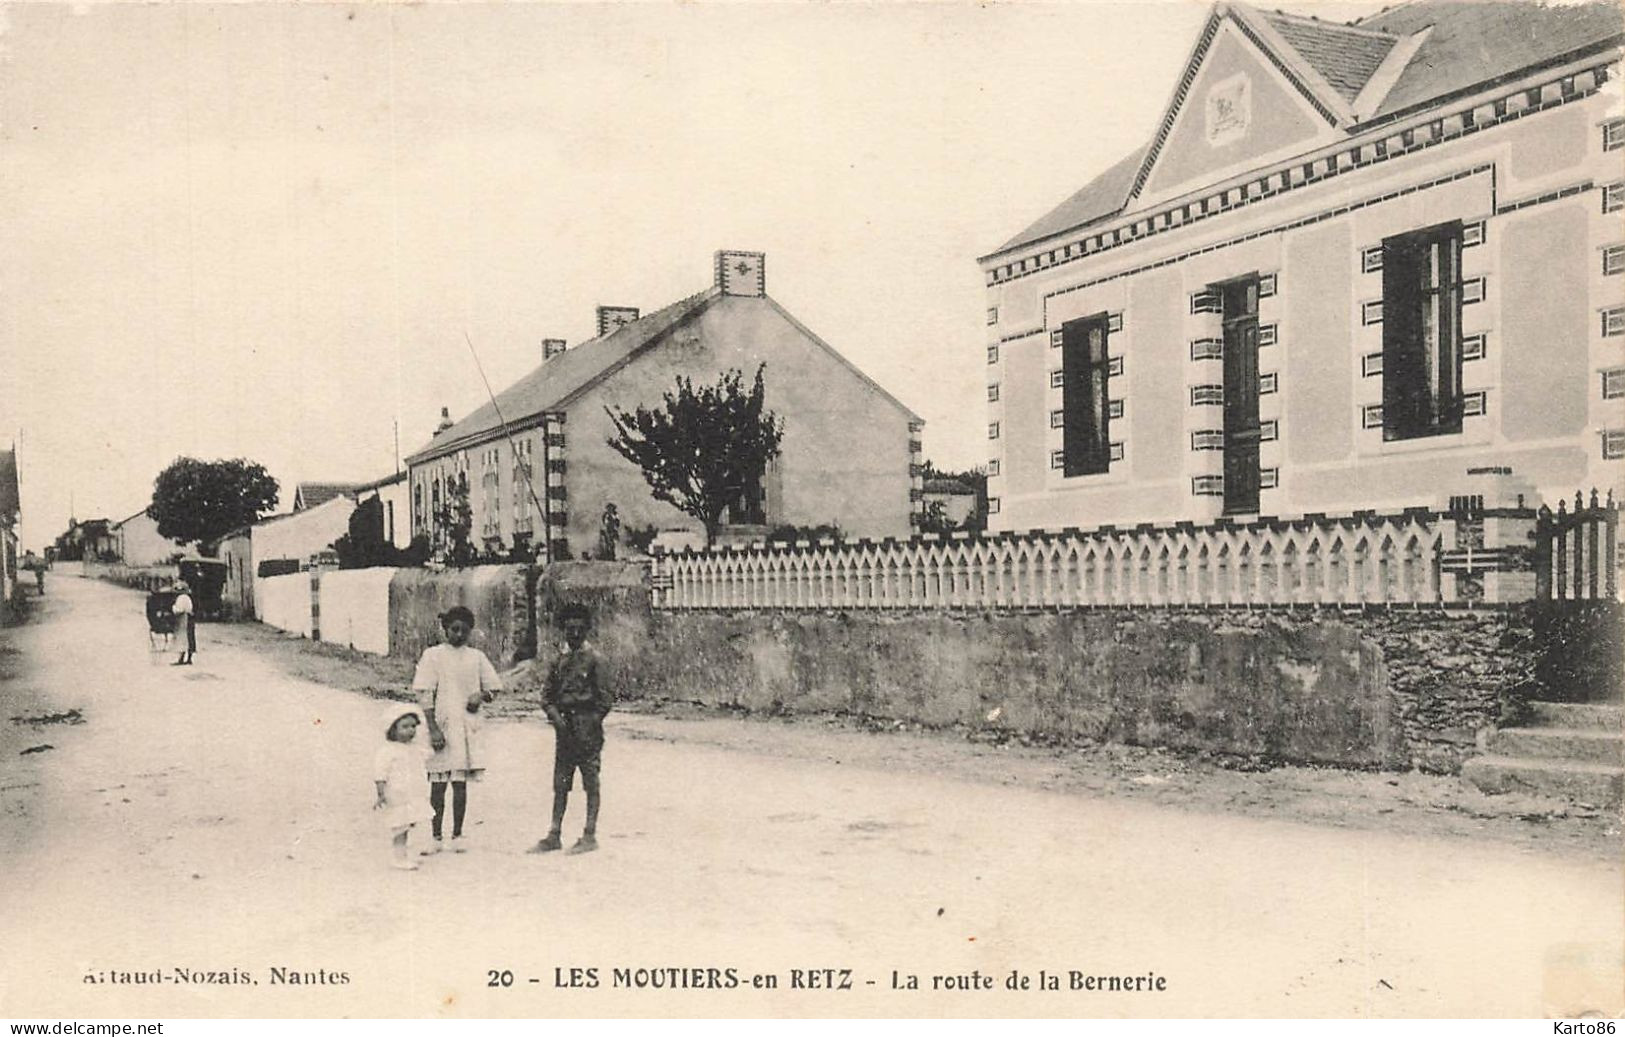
{"points": [[706, 450], [204, 500], [365, 545]]}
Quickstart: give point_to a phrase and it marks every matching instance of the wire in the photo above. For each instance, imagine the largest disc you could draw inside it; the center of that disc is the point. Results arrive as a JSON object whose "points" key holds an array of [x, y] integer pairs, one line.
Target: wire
{"points": [[530, 487]]}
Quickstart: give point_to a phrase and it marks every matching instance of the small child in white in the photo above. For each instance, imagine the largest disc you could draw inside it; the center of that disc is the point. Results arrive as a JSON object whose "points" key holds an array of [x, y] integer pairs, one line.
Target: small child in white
{"points": [[402, 778]]}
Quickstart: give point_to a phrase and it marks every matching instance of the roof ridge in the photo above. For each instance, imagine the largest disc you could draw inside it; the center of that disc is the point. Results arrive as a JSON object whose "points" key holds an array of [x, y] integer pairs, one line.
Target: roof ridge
{"points": [[672, 313], [637, 334], [1321, 23], [1390, 9]]}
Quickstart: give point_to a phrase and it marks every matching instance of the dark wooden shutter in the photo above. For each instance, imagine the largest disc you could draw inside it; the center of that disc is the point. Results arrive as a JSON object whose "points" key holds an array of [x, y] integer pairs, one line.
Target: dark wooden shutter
{"points": [[1402, 372], [1448, 408], [1241, 424], [1084, 445]]}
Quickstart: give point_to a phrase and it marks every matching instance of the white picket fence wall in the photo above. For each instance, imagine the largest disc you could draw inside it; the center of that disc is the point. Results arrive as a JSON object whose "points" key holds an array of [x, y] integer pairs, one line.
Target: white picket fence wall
{"points": [[1358, 560]]}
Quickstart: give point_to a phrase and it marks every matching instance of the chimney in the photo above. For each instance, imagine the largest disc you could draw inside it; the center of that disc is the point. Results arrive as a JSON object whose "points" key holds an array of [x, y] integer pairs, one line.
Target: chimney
{"points": [[552, 347], [742, 273], [612, 317], [445, 421]]}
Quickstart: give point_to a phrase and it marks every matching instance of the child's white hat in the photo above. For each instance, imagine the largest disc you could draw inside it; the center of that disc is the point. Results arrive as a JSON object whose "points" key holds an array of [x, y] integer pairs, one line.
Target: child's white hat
{"points": [[395, 710]]}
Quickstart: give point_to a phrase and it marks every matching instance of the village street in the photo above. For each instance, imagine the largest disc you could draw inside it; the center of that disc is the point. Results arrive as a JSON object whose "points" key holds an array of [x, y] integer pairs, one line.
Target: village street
{"points": [[216, 818]]}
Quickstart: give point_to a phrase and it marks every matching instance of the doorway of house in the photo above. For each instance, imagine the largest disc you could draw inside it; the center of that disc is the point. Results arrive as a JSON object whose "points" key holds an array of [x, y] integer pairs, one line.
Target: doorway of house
{"points": [[1241, 425]]}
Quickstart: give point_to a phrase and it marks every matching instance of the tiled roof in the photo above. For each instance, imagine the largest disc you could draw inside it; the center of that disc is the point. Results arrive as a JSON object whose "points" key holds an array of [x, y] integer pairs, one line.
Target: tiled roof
{"points": [[1473, 43], [1469, 44], [1344, 56], [310, 494], [564, 375], [10, 499], [378, 484], [1104, 196], [554, 384]]}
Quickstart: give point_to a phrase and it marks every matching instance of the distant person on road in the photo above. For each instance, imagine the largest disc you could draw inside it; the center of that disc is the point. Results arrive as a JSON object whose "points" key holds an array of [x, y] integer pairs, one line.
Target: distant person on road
{"points": [[185, 623], [36, 563], [453, 680], [576, 703], [402, 783]]}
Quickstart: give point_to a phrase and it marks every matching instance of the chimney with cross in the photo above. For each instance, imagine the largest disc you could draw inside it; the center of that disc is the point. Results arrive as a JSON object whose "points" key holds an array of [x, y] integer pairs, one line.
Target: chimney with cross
{"points": [[612, 317], [742, 273]]}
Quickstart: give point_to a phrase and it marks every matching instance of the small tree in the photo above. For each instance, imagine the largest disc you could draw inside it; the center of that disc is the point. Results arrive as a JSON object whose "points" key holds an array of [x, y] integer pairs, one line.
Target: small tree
{"points": [[455, 522], [364, 546], [706, 449], [934, 519], [204, 500]]}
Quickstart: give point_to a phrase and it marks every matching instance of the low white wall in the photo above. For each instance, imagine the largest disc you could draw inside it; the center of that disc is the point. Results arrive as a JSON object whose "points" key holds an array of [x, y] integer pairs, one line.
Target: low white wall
{"points": [[355, 608], [284, 602]]}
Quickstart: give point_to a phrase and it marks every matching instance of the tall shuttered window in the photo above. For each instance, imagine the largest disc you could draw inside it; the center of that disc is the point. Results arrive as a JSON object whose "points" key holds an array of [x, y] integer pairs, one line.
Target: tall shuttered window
{"points": [[1086, 435], [1421, 333]]}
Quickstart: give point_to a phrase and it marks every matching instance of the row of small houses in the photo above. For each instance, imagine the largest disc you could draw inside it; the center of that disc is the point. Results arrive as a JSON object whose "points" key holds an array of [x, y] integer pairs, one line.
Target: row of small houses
{"points": [[287, 543], [281, 543]]}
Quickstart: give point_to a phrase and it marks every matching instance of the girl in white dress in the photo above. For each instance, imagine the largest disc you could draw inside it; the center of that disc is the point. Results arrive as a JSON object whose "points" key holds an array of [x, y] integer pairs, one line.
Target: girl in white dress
{"points": [[453, 680], [403, 786]]}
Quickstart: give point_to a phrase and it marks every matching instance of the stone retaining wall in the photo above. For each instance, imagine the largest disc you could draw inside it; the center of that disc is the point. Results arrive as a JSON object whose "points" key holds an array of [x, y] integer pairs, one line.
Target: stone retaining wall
{"points": [[498, 595], [1373, 688]]}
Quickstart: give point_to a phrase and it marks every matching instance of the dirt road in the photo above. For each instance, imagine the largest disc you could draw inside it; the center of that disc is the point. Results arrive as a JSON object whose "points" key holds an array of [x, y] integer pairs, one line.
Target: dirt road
{"points": [[214, 821]]}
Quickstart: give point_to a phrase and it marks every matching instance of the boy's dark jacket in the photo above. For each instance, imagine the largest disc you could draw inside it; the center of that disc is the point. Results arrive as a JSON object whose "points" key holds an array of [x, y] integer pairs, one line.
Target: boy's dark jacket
{"points": [[573, 684]]}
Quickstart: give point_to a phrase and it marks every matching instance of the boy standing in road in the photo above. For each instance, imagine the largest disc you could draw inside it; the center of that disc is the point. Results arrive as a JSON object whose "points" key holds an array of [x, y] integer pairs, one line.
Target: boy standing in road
{"points": [[576, 704]]}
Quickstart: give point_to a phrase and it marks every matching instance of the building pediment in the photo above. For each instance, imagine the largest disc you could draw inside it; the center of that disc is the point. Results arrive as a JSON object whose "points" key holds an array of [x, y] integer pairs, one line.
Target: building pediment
{"points": [[1247, 99]]}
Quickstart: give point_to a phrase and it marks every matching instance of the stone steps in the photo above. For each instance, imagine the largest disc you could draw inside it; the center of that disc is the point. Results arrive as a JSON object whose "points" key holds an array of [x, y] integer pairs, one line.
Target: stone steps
{"points": [[1567, 749], [1560, 743], [1572, 715], [1594, 783]]}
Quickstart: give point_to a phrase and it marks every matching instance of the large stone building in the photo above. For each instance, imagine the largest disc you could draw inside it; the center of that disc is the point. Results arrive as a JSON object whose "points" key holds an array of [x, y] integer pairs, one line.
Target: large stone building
{"points": [[849, 457], [1356, 266]]}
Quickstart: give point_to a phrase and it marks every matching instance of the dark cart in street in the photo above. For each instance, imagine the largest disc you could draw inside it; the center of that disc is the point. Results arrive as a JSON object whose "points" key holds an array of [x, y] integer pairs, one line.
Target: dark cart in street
{"points": [[160, 619], [207, 579]]}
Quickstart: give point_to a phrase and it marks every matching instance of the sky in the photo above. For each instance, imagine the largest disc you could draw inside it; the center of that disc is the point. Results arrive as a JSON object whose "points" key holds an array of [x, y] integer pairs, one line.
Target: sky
{"points": [[264, 230]]}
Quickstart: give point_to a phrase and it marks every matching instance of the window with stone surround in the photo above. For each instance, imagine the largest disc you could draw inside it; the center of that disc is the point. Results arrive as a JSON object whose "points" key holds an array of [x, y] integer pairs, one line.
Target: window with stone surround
{"points": [[1613, 260], [1613, 444], [1613, 134], [1613, 383], [1421, 336]]}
